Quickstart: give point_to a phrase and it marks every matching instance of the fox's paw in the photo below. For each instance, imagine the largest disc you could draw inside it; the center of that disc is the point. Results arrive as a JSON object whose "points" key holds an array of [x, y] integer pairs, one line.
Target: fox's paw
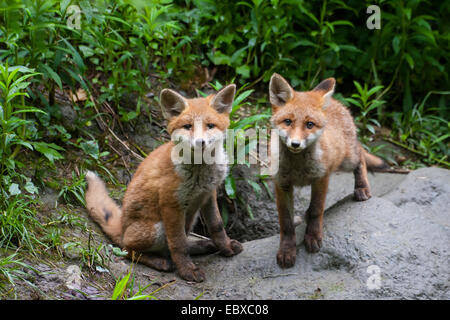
{"points": [[234, 247], [286, 257], [313, 242], [362, 194], [192, 273], [165, 265]]}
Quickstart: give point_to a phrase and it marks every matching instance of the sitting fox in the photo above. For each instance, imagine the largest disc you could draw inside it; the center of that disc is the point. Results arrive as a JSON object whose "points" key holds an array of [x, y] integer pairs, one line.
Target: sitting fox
{"points": [[318, 137], [163, 198]]}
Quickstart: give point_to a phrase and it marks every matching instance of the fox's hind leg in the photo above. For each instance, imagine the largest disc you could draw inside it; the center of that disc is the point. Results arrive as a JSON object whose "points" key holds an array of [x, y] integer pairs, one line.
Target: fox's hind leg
{"points": [[146, 244], [362, 187], [152, 260]]}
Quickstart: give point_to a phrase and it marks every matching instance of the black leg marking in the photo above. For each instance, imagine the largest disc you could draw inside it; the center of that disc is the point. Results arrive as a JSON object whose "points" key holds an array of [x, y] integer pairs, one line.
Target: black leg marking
{"points": [[107, 213]]}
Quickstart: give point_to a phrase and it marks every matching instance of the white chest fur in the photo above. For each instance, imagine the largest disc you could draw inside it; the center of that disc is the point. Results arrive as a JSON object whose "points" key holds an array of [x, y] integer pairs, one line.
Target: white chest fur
{"points": [[199, 180], [299, 169]]}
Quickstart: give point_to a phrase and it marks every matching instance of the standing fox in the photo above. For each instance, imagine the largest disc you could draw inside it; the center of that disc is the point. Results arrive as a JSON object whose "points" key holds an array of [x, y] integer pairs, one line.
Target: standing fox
{"points": [[163, 198], [318, 137]]}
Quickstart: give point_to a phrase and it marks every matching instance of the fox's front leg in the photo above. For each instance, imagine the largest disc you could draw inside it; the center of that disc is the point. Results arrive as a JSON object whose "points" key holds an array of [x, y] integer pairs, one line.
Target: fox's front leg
{"points": [[211, 216], [174, 224], [285, 204], [314, 215]]}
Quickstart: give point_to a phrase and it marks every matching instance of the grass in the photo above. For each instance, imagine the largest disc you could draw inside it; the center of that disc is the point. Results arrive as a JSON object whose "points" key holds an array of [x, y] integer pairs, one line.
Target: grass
{"points": [[424, 131], [124, 288], [12, 270], [73, 190], [19, 227]]}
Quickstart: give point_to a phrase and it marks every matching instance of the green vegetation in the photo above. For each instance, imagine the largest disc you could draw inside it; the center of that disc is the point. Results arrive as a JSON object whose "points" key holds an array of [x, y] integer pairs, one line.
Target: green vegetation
{"points": [[125, 288], [72, 85], [19, 226], [12, 269]]}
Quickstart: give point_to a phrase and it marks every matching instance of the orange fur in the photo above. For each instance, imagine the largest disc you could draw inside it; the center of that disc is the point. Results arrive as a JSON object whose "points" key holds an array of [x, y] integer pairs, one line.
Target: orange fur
{"points": [[318, 137], [163, 198]]}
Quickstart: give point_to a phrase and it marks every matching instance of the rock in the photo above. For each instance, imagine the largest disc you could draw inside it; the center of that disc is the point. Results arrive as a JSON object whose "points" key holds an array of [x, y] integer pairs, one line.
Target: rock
{"points": [[143, 132], [264, 208], [393, 246], [73, 277], [68, 116]]}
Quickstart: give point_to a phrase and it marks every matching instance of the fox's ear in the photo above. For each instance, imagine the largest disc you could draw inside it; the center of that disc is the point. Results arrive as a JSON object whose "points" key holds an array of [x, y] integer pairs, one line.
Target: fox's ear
{"points": [[172, 103], [327, 87], [280, 92], [223, 100]]}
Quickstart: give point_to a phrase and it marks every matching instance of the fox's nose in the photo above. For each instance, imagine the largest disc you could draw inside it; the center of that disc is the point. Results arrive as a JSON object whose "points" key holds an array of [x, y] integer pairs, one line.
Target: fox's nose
{"points": [[200, 142], [295, 144]]}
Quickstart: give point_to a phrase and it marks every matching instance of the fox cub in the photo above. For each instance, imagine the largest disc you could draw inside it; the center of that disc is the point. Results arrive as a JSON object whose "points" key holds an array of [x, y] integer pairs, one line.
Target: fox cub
{"points": [[164, 197], [318, 137]]}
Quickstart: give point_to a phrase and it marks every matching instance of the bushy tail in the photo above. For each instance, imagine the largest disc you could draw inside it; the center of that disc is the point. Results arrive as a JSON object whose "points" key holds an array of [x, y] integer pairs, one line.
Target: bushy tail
{"points": [[374, 163], [102, 208]]}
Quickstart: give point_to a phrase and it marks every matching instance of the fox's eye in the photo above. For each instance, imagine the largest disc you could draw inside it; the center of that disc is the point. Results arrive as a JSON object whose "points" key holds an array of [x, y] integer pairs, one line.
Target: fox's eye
{"points": [[211, 125], [287, 122], [309, 124], [187, 126]]}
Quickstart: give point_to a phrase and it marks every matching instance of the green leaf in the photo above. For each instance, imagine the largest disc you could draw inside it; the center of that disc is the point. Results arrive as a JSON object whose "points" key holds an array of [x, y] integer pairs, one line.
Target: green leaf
{"points": [[49, 150], [255, 187], [52, 74], [373, 90], [370, 128], [237, 102], [75, 55], [91, 148], [31, 188], [243, 70], [141, 297], [225, 214], [410, 60], [237, 56], [309, 14], [396, 44], [375, 122], [120, 287], [230, 186], [25, 144], [342, 23], [14, 189], [220, 58], [441, 139], [118, 252], [358, 87], [303, 42], [21, 69], [354, 102], [87, 51], [350, 48], [64, 4], [241, 124], [78, 78], [30, 109]]}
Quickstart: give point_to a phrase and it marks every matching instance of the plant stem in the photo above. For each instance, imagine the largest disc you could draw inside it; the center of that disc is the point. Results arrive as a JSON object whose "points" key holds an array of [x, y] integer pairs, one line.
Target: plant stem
{"points": [[21, 134]]}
